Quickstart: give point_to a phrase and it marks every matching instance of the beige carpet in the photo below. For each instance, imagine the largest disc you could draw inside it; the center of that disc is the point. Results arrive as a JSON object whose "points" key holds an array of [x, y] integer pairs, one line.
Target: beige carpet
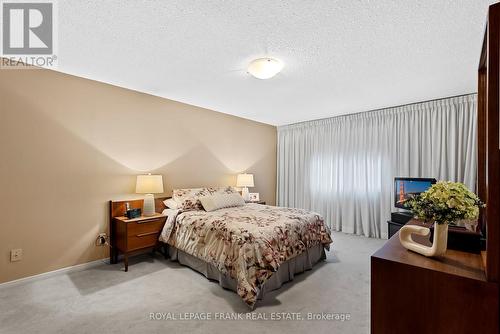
{"points": [[107, 300]]}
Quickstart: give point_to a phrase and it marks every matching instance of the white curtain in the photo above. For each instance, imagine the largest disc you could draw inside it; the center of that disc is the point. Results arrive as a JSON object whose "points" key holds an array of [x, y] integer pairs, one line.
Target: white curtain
{"points": [[344, 167]]}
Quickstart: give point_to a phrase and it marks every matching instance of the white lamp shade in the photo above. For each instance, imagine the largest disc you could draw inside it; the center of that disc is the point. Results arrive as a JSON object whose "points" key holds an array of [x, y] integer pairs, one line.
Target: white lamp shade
{"points": [[149, 184], [244, 180], [265, 68]]}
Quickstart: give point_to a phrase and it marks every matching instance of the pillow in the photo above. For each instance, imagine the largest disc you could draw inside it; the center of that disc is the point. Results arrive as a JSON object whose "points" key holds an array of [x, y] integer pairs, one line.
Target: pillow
{"points": [[170, 203], [220, 201], [222, 190], [189, 199]]}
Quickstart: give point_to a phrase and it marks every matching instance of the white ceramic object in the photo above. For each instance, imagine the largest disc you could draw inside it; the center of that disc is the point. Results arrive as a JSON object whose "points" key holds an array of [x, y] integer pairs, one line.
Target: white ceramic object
{"points": [[439, 242], [245, 194], [148, 208]]}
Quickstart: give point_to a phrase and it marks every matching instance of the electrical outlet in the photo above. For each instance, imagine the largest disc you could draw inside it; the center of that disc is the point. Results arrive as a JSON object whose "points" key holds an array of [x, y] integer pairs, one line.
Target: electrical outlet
{"points": [[16, 255], [102, 239]]}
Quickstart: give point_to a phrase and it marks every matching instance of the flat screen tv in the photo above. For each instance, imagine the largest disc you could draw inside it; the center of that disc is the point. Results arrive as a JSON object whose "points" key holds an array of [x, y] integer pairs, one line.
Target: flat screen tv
{"points": [[408, 187]]}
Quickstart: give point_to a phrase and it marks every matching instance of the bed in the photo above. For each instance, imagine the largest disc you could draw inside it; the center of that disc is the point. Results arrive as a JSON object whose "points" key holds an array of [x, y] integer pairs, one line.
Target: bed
{"points": [[249, 248]]}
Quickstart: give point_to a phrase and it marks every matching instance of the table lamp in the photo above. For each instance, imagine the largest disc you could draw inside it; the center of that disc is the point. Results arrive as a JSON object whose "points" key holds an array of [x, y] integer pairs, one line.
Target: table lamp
{"points": [[149, 185], [245, 181]]}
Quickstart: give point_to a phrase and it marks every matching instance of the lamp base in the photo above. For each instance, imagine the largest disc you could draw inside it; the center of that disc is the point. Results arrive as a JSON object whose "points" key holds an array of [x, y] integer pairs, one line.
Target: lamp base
{"points": [[148, 208], [245, 194]]}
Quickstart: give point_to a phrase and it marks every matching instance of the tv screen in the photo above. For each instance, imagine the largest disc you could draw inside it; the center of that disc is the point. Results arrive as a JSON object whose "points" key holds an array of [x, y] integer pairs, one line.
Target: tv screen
{"points": [[407, 187]]}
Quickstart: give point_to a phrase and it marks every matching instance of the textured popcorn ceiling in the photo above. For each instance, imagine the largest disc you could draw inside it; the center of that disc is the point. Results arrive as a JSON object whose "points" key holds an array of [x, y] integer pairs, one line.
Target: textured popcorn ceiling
{"points": [[340, 56]]}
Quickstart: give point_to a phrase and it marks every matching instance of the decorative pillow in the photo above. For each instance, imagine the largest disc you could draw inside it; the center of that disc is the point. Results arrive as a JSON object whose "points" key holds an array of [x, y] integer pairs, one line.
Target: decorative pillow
{"points": [[189, 199], [170, 203], [220, 201], [222, 190]]}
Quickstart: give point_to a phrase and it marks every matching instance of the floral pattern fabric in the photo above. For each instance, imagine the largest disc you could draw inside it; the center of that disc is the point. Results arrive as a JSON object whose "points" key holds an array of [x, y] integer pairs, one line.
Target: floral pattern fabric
{"points": [[222, 190], [248, 243], [189, 199]]}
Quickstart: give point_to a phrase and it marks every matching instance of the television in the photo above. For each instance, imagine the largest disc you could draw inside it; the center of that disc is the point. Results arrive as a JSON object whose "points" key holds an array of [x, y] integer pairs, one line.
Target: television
{"points": [[408, 187]]}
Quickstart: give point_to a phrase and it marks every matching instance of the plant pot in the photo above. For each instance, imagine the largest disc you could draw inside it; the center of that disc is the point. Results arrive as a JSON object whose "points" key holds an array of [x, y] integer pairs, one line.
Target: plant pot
{"points": [[439, 243]]}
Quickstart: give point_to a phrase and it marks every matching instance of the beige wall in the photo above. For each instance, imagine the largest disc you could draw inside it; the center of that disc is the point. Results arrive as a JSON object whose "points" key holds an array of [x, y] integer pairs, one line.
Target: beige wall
{"points": [[68, 145]]}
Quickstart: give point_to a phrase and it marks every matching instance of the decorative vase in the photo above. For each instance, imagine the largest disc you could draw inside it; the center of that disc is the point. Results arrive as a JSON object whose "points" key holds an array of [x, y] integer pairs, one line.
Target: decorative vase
{"points": [[439, 242]]}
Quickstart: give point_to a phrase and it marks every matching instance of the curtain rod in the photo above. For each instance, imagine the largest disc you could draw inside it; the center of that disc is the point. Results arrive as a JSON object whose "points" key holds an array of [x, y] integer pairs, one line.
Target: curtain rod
{"points": [[384, 108]]}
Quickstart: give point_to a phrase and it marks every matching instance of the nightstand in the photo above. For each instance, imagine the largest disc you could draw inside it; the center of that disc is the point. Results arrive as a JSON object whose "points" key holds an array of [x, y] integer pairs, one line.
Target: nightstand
{"points": [[133, 235]]}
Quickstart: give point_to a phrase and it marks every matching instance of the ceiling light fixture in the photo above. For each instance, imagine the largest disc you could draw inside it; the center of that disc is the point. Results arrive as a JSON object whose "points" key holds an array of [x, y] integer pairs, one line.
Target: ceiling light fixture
{"points": [[265, 68]]}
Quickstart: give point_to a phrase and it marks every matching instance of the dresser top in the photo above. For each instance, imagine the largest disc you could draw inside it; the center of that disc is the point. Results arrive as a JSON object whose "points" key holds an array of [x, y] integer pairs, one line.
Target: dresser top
{"points": [[454, 262]]}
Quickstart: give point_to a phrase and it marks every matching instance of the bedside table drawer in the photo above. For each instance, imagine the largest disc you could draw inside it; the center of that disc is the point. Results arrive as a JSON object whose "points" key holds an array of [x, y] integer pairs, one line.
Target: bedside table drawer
{"points": [[136, 228], [142, 240]]}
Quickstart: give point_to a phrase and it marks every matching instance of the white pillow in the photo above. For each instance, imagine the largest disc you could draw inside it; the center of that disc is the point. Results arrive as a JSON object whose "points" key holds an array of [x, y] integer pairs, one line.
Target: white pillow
{"points": [[220, 201], [170, 203]]}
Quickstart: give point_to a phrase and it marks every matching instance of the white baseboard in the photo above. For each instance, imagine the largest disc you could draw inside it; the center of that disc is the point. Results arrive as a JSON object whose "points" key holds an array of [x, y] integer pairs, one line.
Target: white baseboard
{"points": [[66, 270]]}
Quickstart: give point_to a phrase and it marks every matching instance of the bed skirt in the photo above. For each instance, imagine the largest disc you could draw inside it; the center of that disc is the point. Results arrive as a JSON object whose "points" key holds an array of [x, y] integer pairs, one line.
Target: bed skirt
{"points": [[285, 273]]}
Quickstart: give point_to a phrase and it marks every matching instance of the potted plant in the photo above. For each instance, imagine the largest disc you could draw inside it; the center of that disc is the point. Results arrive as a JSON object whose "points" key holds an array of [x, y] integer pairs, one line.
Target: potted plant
{"points": [[443, 203]]}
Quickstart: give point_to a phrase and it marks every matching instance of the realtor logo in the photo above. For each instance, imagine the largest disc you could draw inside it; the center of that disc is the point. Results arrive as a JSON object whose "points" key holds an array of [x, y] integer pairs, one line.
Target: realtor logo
{"points": [[28, 29]]}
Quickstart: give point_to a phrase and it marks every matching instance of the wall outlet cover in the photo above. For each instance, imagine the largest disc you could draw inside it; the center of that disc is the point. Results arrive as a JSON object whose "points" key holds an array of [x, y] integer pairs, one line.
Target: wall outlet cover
{"points": [[16, 255]]}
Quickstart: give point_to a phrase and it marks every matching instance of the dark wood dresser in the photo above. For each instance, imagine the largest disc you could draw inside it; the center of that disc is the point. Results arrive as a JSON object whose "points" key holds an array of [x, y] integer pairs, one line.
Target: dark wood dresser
{"points": [[411, 293]]}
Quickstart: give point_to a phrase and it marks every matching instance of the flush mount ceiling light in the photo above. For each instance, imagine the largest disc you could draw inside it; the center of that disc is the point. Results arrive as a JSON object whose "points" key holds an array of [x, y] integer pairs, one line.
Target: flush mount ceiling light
{"points": [[265, 68]]}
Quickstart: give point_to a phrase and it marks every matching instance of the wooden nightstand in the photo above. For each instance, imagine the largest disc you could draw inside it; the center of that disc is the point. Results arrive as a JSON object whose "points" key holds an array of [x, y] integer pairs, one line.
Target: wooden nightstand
{"points": [[133, 235]]}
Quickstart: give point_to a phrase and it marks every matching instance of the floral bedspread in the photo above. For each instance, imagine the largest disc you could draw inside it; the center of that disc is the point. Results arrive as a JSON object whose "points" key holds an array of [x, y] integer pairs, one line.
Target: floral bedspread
{"points": [[248, 243]]}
